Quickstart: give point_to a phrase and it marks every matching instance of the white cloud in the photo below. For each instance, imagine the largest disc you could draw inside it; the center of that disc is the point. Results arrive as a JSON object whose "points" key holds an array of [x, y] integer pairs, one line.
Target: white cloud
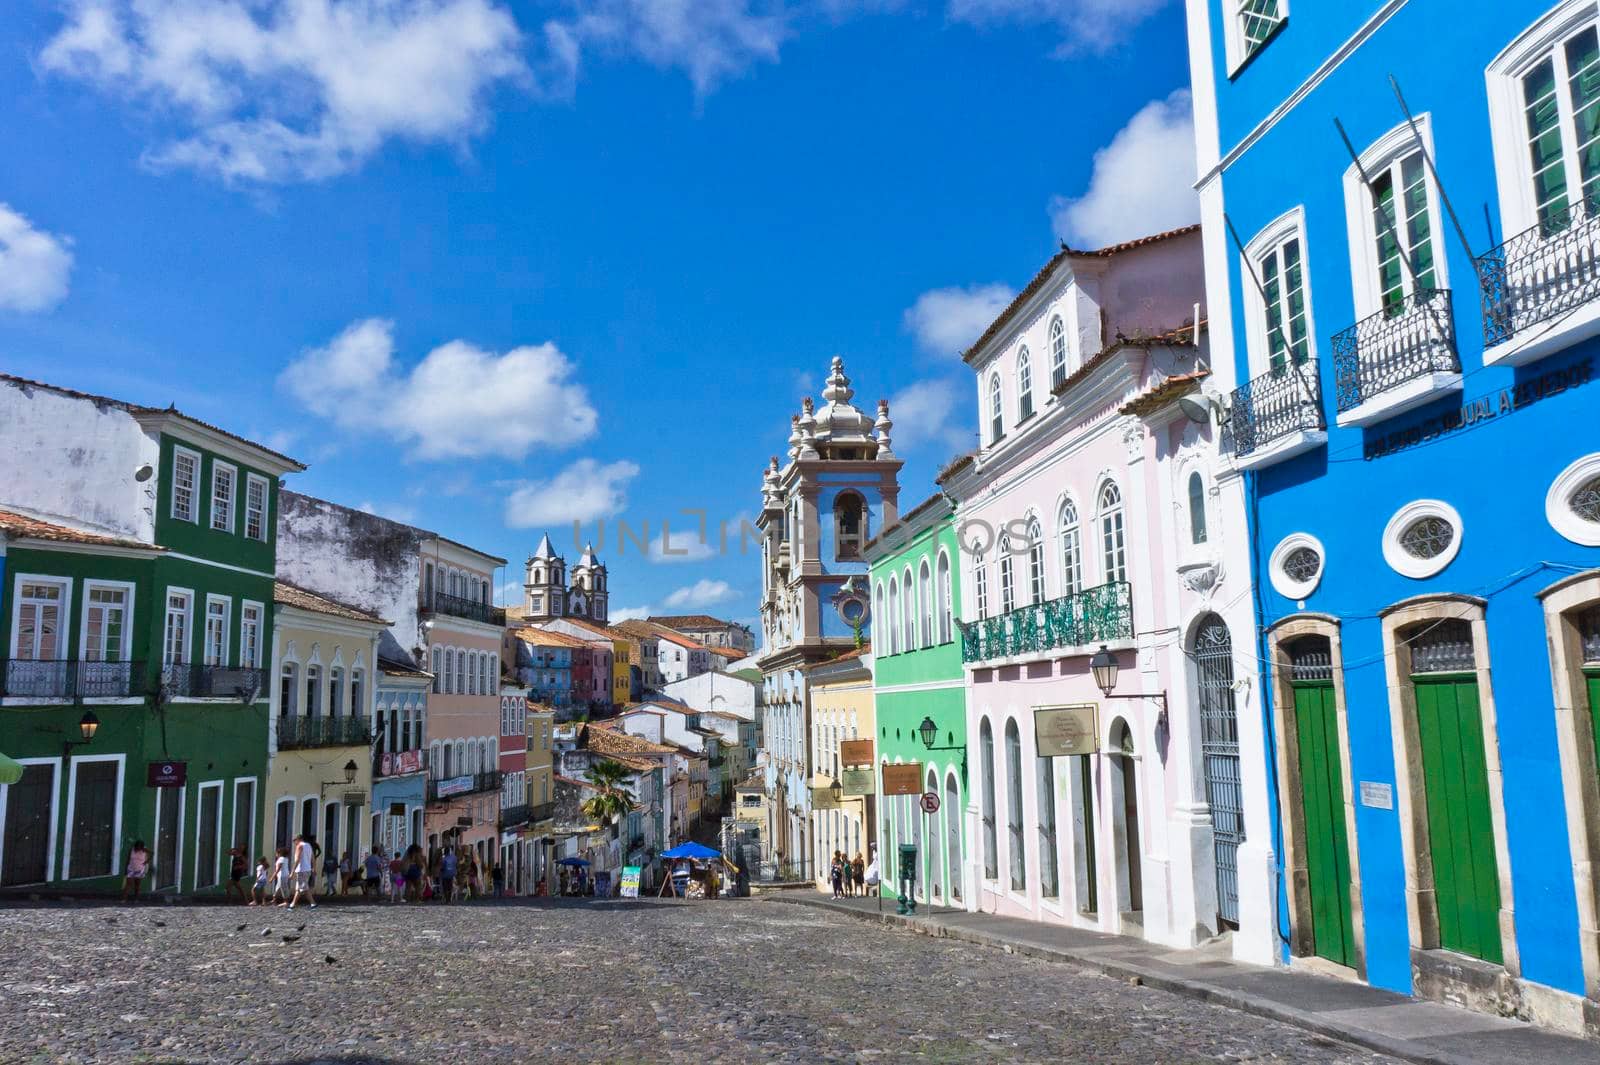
{"points": [[1084, 25], [302, 90], [946, 321], [710, 40], [682, 542], [700, 593], [458, 402], [584, 491], [932, 413], [1142, 183], [33, 265], [630, 613]]}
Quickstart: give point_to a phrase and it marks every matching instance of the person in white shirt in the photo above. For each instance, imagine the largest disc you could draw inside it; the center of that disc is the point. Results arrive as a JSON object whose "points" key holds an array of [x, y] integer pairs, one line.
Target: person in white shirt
{"points": [[280, 877], [302, 864]]}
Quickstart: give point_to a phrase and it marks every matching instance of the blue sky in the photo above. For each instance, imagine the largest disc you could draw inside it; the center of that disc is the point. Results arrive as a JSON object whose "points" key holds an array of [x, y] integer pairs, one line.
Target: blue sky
{"points": [[489, 265]]}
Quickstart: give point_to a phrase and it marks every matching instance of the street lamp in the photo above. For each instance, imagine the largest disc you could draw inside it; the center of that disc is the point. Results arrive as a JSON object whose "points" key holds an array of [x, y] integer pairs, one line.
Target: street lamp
{"points": [[1103, 665], [836, 790], [88, 725], [930, 732], [350, 770]]}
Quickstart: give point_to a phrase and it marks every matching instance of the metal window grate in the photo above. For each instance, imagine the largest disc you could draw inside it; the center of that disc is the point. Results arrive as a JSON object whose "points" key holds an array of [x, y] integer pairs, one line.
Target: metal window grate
{"points": [[1302, 564], [1442, 647], [1311, 659], [1427, 537], [1219, 747], [1585, 502]]}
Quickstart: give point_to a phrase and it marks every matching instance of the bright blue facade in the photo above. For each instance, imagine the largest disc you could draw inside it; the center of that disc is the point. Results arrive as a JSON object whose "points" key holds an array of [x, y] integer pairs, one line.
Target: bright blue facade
{"points": [[1489, 444]]}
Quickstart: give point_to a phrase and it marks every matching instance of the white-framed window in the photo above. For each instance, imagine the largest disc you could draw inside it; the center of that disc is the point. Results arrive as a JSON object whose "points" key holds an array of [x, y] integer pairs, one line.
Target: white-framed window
{"points": [[925, 598], [945, 603], [288, 689], [175, 631], [335, 691], [107, 621], [39, 625], [472, 672], [1278, 320], [908, 613], [1422, 538], [250, 621], [255, 507], [438, 671], [223, 479], [185, 484], [1296, 564], [1195, 489], [1024, 384], [1071, 548], [216, 636], [1572, 505], [1058, 352], [358, 706], [1250, 25], [313, 690], [1008, 584], [1035, 562], [980, 586], [997, 425], [891, 634], [1393, 221], [1113, 539]]}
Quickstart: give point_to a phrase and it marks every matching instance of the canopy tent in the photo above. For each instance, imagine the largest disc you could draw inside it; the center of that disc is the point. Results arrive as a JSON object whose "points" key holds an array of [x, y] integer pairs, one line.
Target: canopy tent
{"points": [[10, 770], [697, 851], [573, 861]]}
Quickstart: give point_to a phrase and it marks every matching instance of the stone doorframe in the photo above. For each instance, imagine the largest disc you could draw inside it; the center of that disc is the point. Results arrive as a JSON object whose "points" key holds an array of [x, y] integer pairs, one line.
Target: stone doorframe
{"points": [[1292, 811], [1575, 741], [1422, 913]]}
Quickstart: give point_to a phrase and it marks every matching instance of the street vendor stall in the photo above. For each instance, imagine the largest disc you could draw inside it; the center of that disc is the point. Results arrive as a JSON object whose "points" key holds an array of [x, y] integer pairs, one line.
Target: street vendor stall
{"points": [[696, 870]]}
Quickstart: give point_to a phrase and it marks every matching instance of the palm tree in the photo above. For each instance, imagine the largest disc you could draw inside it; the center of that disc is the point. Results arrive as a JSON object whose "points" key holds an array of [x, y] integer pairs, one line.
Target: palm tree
{"points": [[611, 801]]}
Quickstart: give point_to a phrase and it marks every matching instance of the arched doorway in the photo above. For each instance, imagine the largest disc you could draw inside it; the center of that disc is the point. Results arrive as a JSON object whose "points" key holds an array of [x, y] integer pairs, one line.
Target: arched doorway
{"points": [[1321, 797], [1219, 750], [1125, 782], [952, 806], [935, 838]]}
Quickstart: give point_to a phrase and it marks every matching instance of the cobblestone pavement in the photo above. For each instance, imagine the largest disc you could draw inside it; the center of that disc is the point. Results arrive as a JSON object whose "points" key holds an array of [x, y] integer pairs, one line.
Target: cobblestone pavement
{"points": [[737, 981]]}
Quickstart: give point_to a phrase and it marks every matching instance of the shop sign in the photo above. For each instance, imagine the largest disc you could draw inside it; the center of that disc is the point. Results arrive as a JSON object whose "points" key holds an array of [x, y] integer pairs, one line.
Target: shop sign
{"points": [[903, 778], [1065, 730], [822, 799], [464, 822], [408, 762], [855, 752], [167, 774], [857, 781], [455, 786], [630, 881]]}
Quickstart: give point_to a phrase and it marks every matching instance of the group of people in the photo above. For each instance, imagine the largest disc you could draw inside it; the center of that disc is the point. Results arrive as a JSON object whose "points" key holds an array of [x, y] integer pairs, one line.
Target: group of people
{"points": [[848, 875]]}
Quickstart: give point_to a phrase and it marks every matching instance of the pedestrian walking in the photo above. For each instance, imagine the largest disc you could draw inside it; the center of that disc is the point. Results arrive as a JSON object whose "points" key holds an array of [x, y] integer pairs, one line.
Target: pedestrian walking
{"points": [[304, 864], [498, 875], [237, 868], [280, 877], [137, 865], [413, 874], [311, 880], [347, 871], [330, 873], [258, 892], [372, 866], [836, 875], [858, 874], [397, 878], [447, 874]]}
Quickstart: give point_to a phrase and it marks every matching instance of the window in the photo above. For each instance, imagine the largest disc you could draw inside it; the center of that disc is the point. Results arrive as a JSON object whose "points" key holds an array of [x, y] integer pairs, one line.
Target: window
{"points": [[849, 525], [1560, 99], [335, 691], [991, 860], [925, 597], [1572, 505], [1035, 561], [313, 691], [1071, 549], [1024, 385], [1014, 844], [472, 672], [1422, 538], [1049, 871], [255, 507], [1295, 566], [1058, 353], [185, 476], [461, 670], [892, 634], [996, 411], [945, 604], [41, 615], [1251, 25], [1401, 227], [908, 614], [358, 708], [106, 632], [250, 636], [1008, 590], [94, 820], [1113, 546], [175, 643], [1197, 509], [438, 673], [223, 479], [1282, 276], [980, 586], [288, 685], [216, 636]]}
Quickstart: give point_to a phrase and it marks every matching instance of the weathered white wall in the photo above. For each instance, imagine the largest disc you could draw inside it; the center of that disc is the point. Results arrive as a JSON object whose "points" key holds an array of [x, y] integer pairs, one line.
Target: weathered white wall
{"points": [[716, 691], [73, 460]]}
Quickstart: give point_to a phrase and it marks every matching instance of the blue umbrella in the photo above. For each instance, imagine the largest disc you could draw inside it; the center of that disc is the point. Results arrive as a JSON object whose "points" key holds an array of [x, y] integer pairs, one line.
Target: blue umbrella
{"points": [[697, 851]]}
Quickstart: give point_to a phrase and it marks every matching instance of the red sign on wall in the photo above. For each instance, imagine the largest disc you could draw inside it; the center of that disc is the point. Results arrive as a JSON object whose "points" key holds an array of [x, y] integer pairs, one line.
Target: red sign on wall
{"points": [[167, 774]]}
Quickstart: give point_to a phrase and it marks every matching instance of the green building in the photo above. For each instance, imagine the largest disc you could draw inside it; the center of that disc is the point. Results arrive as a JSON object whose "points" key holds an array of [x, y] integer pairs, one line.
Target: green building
{"points": [[918, 679], [136, 610]]}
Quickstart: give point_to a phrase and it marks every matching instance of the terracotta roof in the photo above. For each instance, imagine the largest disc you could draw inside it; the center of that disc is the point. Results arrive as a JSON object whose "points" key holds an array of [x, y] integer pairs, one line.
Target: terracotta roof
{"points": [[136, 409], [850, 655], [697, 621], [610, 741], [400, 669], [21, 526], [955, 466], [598, 630], [636, 627], [731, 653], [1182, 334], [636, 709], [296, 596], [1057, 259], [1155, 398], [546, 638]]}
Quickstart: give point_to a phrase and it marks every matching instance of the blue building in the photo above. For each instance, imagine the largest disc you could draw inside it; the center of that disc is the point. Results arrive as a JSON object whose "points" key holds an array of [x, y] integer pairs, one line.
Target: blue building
{"points": [[399, 755], [1404, 320], [839, 487]]}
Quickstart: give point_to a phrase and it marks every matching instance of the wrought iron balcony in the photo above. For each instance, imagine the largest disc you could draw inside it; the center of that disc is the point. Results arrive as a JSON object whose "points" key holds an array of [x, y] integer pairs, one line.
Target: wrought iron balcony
{"points": [[1275, 405], [471, 609], [1540, 273], [514, 816], [1092, 616], [31, 678], [213, 682], [541, 811], [1405, 342], [341, 731], [464, 784]]}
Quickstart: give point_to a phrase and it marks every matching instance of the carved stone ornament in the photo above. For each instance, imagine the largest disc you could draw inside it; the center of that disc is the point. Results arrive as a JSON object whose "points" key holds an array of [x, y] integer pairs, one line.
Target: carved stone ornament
{"points": [[1201, 577]]}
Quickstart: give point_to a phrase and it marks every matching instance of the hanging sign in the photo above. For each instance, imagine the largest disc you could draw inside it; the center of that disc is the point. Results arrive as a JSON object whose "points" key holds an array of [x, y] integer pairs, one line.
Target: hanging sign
{"points": [[822, 799], [167, 774], [454, 786], [904, 778], [1065, 730], [855, 752], [857, 781]]}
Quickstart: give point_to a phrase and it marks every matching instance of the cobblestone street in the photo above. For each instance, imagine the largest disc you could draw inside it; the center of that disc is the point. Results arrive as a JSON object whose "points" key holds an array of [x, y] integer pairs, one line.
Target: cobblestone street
{"points": [[732, 981]]}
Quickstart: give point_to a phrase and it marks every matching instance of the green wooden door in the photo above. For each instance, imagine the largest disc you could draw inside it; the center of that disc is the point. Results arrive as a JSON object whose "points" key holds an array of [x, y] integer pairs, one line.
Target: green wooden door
{"points": [[1460, 829], [1322, 804], [1593, 679]]}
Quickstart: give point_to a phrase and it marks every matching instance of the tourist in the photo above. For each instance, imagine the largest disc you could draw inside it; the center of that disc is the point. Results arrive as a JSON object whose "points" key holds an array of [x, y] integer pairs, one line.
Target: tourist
{"points": [[372, 867], [347, 874], [330, 872], [280, 877], [447, 874], [138, 863], [258, 893], [311, 870], [472, 891], [304, 864], [237, 868], [858, 875], [498, 876], [397, 877], [836, 875], [413, 873]]}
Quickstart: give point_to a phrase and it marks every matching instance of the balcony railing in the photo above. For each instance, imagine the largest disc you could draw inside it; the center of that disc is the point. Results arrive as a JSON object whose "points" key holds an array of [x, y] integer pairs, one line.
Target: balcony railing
{"points": [[1541, 273], [513, 816], [213, 682], [471, 609], [1279, 402], [28, 678], [1095, 615], [541, 811], [464, 784], [1401, 343], [342, 731]]}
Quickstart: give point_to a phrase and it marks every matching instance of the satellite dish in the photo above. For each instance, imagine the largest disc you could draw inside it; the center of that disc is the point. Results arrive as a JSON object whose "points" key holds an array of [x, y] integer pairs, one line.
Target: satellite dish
{"points": [[1197, 408], [144, 473]]}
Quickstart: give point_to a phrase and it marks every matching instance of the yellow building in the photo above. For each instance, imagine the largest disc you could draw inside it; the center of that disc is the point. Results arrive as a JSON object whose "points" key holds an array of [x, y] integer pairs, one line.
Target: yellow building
{"points": [[319, 780], [541, 791], [841, 709]]}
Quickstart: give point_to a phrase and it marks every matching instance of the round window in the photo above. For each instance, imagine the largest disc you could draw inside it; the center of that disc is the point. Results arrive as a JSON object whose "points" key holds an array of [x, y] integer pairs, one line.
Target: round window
{"points": [[1302, 564], [1585, 502], [852, 609], [1572, 505], [1427, 537], [1422, 538], [1295, 566]]}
